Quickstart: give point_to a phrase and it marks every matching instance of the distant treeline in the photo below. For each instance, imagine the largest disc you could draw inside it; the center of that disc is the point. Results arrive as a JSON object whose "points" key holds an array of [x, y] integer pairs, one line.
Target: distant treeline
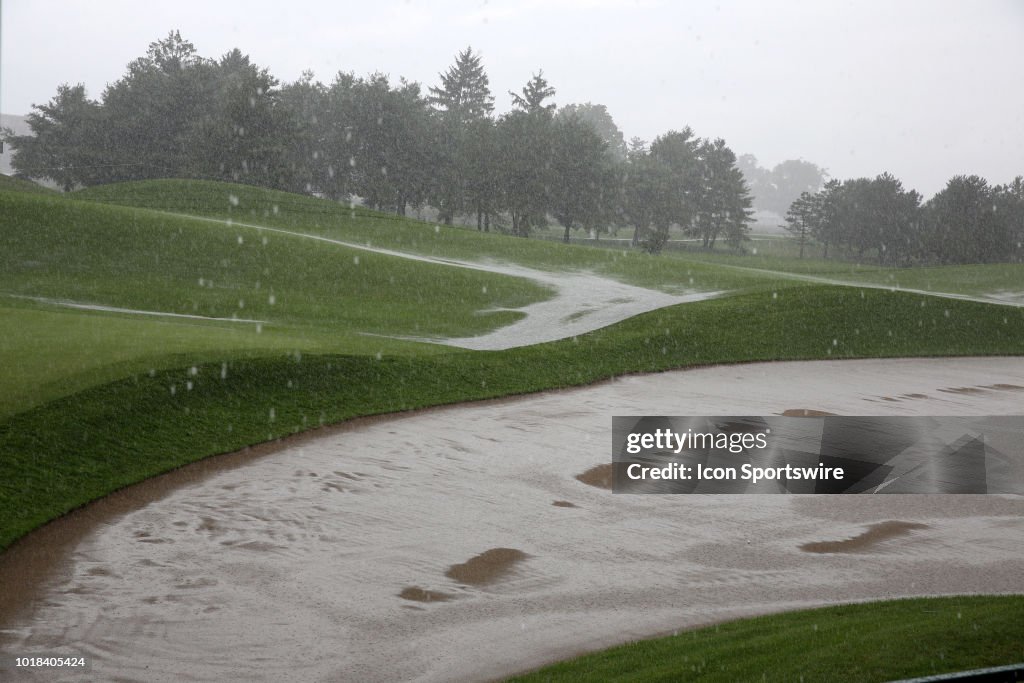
{"points": [[395, 148], [969, 221], [176, 114]]}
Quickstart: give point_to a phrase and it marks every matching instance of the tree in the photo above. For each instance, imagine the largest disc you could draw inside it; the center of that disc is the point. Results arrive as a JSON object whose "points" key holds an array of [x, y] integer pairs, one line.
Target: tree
{"points": [[597, 117], [66, 141], [1009, 207], [722, 200], [462, 102], [525, 143], [649, 196], [963, 223], [302, 136], [464, 94], [579, 174], [239, 137], [800, 218], [535, 92], [153, 112], [678, 152]]}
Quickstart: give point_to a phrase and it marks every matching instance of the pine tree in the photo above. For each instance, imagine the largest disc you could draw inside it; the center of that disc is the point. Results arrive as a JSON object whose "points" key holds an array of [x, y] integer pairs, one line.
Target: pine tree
{"points": [[465, 93]]}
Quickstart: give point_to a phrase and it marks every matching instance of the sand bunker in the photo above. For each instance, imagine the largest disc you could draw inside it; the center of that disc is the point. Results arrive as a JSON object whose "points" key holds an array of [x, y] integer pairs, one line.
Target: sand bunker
{"points": [[226, 572], [869, 540]]}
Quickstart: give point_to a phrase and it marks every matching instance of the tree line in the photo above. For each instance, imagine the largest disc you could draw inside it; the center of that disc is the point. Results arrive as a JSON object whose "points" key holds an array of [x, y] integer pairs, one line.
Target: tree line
{"points": [[392, 145], [969, 221]]}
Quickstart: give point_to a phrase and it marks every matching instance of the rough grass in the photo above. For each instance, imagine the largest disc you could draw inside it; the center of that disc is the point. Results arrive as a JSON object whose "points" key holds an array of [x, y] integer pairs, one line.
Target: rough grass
{"points": [[880, 641]]}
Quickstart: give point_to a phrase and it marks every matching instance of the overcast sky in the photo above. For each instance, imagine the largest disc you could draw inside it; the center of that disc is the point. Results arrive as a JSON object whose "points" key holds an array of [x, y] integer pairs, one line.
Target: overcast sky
{"points": [[923, 89]]}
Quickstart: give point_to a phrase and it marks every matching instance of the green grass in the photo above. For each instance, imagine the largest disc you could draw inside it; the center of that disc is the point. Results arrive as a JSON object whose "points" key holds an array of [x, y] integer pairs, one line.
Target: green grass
{"points": [[12, 184], [880, 641], [243, 203], [68, 451], [313, 297], [697, 270]]}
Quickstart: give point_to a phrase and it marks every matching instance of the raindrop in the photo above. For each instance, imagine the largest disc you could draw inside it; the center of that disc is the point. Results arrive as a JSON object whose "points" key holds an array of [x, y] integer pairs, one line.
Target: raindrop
{"points": [[775, 295], [484, 288], [835, 342], [273, 415], [174, 390], [259, 328], [378, 355], [233, 200], [946, 313], [276, 209], [265, 240], [240, 240], [223, 370], [202, 282], [271, 299], [241, 303], [193, 371], [355, 260], [188, 385], [437, 228]]}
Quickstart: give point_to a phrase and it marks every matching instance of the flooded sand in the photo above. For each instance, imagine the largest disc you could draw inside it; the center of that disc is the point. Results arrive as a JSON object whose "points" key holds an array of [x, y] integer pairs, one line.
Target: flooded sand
{"points": [[426, 546]]}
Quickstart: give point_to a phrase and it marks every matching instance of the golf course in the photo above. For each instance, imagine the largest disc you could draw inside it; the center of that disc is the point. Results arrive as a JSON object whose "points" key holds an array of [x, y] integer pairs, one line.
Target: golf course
{"points": [[364, 436]]}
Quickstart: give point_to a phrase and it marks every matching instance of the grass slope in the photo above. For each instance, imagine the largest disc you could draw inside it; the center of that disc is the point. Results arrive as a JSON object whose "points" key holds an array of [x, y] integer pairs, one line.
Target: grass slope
{"points": [[247, 204], [867, 642], [12, 184], [312, 297]]}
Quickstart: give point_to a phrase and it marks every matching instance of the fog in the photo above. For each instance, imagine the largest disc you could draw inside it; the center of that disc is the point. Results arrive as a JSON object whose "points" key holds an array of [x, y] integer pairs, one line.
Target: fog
{"points": [[924, 90]]}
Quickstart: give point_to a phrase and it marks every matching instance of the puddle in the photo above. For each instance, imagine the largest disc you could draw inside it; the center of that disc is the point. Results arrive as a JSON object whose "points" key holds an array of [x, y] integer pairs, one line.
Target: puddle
{"points": [[866, 541], [417, 594], [599, 476], [487, 567]]}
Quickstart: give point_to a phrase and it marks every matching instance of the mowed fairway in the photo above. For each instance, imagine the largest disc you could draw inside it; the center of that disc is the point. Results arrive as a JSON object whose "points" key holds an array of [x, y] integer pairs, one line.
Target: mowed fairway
{"points": [[149, 325]]}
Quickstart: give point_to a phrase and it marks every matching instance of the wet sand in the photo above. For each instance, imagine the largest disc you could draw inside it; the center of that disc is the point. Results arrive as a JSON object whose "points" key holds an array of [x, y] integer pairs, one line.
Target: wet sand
{"points": [[438, 545]]}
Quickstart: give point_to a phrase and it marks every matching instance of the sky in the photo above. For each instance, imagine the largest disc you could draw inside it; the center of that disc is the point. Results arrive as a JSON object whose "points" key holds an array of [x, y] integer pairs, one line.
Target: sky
{"points": [[923, 89]]}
